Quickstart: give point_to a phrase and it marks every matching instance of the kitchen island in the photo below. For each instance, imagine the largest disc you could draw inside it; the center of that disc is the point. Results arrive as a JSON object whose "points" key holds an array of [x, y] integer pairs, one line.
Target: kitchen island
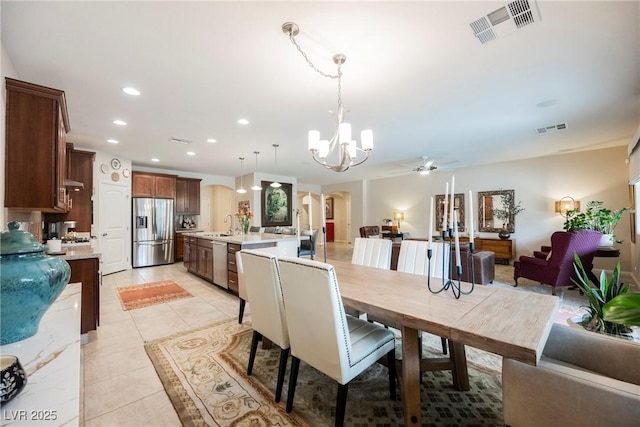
{"points": [[211, 255], [85, 268]]}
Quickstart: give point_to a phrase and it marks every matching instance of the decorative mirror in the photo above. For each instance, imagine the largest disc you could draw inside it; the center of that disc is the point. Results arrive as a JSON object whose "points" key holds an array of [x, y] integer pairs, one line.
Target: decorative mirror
{"points": [[459, 209], [488, 219]]}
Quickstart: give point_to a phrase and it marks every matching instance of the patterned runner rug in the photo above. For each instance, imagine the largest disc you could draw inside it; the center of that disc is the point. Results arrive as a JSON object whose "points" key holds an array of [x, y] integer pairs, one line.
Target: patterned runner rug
{"points": [[138, 296], [204, 374]]}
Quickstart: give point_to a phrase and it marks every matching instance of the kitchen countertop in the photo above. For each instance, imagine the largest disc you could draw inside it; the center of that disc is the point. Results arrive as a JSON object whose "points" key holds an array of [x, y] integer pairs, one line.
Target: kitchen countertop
{"points": [[51, 359], [76, 252], [248, 238], [189, 230]]}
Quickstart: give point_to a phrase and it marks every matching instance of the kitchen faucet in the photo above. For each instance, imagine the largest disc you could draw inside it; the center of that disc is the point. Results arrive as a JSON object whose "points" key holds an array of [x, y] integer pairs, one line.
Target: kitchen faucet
{"points": [[230, 223]]}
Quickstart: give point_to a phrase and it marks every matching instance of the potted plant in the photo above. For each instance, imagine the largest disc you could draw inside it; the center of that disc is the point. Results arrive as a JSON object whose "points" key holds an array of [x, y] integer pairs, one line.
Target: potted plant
{"points": [[387, 221], [598, 298], [624, 309], [596, 217], [507, 213]]}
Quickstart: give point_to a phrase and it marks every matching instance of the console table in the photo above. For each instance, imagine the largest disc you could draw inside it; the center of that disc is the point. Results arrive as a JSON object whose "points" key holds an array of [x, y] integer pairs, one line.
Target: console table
{"points": [[503, 248]]}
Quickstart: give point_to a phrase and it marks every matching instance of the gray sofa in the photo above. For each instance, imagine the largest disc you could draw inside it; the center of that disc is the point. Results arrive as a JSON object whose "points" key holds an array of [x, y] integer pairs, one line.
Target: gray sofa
{"points": [[583, 379]]}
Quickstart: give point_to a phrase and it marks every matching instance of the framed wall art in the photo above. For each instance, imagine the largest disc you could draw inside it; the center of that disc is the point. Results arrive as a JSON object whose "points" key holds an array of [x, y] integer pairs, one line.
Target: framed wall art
{"points": [[328, 208], [459, 210], [276, 205]]}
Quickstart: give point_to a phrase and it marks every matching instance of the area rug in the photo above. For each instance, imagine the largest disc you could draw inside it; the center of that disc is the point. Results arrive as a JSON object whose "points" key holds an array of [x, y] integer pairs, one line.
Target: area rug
{"points": [[571, 302], [204, 374], [138, 296]]}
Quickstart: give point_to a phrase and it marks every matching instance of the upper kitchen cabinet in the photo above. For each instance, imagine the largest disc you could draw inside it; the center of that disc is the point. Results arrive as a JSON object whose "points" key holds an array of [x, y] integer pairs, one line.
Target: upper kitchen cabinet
{"points": [[80, 170], [35, 160], [188, 196], [153, 185]]}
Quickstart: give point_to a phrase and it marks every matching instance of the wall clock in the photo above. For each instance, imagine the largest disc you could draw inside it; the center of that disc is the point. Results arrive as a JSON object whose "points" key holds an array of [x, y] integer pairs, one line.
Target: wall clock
{"points": [[126, 173], [104, 168], [115, 163]]}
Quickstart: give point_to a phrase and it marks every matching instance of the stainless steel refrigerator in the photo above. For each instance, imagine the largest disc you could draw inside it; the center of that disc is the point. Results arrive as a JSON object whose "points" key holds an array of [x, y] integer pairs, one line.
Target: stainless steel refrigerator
{"points": [[153, 226]]}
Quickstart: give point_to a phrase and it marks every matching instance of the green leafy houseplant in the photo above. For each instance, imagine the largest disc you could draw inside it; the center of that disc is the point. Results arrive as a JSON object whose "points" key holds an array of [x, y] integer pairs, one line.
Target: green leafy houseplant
{"points": [[509, 208], [598, 297], [595, 217], [624, 309]]}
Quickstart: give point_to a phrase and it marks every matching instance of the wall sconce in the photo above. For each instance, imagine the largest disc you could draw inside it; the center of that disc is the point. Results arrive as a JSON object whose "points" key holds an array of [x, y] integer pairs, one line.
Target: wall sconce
{"points": [[399, 216], [567, 204]]}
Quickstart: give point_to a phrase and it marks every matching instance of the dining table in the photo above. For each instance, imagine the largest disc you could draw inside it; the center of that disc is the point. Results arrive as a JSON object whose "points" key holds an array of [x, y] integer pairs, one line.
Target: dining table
{"points": [[512, 323]]}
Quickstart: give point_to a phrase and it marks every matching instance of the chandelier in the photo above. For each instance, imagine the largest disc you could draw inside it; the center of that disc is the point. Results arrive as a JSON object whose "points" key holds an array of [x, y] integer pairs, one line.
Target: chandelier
{"points": [[340, 152]]}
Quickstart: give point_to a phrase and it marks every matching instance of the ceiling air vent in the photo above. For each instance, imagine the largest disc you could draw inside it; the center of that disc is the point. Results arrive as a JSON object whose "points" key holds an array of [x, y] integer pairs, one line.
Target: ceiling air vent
{"points": [[505, 20], [559, 126], [180, 140]]}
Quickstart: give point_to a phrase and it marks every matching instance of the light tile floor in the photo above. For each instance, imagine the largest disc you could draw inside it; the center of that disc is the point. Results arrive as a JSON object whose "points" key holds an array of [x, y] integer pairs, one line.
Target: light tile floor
{"points": [[120, 385]]}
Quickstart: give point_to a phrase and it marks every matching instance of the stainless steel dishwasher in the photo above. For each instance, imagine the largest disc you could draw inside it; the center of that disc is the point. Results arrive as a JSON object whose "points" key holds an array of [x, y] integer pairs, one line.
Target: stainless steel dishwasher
{"points": [[220, 264]]}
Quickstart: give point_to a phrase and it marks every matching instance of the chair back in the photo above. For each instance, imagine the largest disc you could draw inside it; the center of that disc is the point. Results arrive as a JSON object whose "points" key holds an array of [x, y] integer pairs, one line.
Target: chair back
{"points": [[369, 231], [372, 252], [318, 328], [308, 242], [413, 257], [264, 291], [564, 243]]}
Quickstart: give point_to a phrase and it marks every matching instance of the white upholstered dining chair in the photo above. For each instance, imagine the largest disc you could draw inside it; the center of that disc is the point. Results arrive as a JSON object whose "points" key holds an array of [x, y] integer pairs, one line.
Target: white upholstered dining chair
{"points": [[242, 290], [323, 336], [262, 283], [372, 252]]}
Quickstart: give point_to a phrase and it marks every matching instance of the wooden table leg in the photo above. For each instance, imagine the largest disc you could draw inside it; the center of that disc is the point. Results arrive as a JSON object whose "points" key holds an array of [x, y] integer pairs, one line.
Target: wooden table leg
{"points": [[459, 373], [411, 377]]}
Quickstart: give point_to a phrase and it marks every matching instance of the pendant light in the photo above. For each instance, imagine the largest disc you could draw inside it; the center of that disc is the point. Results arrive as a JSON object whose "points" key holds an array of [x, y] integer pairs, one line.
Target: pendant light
{"points": [[241, 190], [256, 187], [276, 184]]}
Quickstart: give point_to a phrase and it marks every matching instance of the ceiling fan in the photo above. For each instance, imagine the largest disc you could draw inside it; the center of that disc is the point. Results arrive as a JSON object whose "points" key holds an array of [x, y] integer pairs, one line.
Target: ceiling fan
{"points": [[426, 167]]}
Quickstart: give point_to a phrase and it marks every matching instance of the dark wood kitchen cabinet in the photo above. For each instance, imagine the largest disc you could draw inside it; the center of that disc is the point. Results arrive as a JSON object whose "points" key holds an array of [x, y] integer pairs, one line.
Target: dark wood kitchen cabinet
{"points": [[145, 184], [204, 261], [190, 254], [35, 163], [87, 271], [188, 196], [80, 169], [179, 245]]}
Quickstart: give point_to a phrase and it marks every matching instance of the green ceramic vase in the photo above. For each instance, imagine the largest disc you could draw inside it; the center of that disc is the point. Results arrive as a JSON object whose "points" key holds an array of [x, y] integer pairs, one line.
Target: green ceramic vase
{"points": [[30, 281]]}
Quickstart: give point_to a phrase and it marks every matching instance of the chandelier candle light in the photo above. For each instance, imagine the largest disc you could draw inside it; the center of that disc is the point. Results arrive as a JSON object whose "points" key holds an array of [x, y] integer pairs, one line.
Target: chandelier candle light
{"points": [[341, 148]]}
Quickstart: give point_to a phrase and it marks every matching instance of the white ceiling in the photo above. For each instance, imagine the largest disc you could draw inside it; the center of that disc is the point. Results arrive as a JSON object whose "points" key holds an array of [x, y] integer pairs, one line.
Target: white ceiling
{"points": [[415, 74]]}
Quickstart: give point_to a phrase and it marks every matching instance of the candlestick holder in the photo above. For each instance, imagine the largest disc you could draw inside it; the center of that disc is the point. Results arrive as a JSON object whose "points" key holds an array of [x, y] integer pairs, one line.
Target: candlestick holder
{"points": [[447, 280]]}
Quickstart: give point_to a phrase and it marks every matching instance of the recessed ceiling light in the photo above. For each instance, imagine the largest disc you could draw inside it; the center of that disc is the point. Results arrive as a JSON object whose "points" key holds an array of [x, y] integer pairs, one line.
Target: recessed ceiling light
{"points": [[155, 160], [243, 122], [211, 140], [190, 153], [131, 91], [119, 122], [112, 141]]}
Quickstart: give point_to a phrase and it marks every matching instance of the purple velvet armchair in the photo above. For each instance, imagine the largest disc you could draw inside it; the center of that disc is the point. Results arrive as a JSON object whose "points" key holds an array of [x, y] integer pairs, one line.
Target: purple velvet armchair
{"points": [[557, 269]]}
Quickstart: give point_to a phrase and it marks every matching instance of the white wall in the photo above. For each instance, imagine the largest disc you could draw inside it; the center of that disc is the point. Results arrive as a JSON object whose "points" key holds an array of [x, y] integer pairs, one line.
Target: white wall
{"points": [[6, 70], [538, 183], [357, 196]]}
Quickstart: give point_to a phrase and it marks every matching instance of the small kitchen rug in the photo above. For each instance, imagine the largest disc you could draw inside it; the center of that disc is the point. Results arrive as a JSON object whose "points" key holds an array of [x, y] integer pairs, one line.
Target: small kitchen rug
{"points": [[139, 296]]}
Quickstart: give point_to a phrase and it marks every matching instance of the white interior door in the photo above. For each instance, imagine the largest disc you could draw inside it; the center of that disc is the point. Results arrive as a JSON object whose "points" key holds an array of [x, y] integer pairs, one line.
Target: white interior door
{"points": [[114, 235]]}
